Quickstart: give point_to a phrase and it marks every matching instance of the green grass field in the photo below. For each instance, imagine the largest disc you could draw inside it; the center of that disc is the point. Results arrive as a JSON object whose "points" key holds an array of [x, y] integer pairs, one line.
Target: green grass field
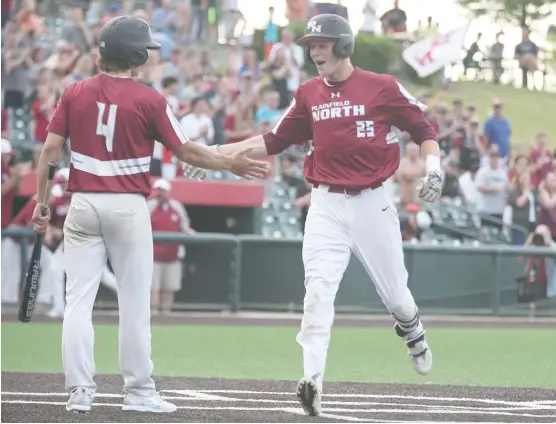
{"points": [[513, 358], [528, 111]]}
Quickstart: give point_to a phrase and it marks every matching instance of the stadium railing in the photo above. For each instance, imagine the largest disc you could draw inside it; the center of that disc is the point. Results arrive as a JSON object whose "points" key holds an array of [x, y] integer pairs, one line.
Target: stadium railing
{"points": [[249, 272]]}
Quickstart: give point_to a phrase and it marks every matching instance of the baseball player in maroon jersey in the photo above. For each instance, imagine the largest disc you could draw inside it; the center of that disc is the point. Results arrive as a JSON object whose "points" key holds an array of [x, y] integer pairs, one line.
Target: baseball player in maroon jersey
{"points": [[348, 113], [113, 122]]}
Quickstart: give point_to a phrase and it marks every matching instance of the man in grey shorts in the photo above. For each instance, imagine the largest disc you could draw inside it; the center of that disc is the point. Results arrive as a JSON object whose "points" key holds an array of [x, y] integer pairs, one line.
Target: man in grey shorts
{"points": [[167, 214]]}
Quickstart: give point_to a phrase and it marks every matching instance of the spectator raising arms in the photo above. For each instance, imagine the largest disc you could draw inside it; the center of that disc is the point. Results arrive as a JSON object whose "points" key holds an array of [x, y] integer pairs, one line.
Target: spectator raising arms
{"points": [[547, 200]]}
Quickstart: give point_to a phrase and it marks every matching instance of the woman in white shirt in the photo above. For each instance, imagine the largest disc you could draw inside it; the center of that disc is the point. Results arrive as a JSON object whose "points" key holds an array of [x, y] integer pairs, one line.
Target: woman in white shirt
{"points": [[197, 125]]}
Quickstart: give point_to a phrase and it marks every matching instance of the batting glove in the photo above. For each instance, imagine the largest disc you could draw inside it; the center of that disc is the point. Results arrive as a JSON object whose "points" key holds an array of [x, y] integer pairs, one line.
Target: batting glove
{"points": [[430, 188], [192, 172]]}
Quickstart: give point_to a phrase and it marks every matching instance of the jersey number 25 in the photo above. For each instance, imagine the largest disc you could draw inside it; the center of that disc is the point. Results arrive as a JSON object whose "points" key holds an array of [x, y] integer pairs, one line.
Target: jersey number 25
{"points": [[107, 130]]}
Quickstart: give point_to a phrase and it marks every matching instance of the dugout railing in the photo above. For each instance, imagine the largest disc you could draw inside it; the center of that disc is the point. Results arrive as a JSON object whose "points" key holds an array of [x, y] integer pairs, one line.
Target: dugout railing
{"points": [[250, 272]]}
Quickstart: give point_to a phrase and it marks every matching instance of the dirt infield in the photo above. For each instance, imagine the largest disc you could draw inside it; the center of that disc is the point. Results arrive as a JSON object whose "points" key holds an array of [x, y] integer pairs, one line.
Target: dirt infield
{"points": [[30, 397], [9, 314]]}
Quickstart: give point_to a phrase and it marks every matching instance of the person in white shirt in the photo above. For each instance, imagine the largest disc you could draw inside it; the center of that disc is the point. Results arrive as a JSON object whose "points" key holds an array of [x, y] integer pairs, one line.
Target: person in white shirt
{"points": [[468, 186], [295, 55], [492, 182], [369, 17], [197, 125]]}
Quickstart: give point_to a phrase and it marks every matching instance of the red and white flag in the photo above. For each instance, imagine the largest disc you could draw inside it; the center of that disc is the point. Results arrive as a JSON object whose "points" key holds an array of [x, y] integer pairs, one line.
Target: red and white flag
{"points": [[430, 54]]}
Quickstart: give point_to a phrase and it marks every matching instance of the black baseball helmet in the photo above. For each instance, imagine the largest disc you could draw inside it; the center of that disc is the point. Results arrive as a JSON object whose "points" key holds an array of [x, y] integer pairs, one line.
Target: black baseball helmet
{"points": [[126, 39], [332, 27]]}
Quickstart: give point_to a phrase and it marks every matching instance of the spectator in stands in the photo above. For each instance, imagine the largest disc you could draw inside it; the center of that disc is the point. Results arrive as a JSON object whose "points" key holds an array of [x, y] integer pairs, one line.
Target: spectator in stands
{"points": [[76, 31], [195, 88], [474, 145], [268, 111], [446, 126], [468, 185], [541, 158], [410, 171], [167, 215], [279, 68], [470, 60], [451, 165], [240, 121], [369, 17], [527, 53], [291, 63], [394, 20], [42, 110], [498, 130], [11, 178], [496, 55], [83, 69], [16, 59], [250, 66], [199, 19], [492, 183], [270, 33], [169, 91], [522, 164], [197, 125], [522, 199], [547, 201], [458, 112]]}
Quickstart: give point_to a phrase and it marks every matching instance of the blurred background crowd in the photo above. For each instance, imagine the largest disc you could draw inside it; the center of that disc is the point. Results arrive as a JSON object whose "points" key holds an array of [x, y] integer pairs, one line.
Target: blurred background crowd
{"points": [[224, 89]]}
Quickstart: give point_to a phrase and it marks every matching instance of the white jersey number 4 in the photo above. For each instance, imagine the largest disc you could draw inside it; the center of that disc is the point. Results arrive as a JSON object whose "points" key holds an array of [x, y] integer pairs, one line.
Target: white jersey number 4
{"points": [[107, 130]]}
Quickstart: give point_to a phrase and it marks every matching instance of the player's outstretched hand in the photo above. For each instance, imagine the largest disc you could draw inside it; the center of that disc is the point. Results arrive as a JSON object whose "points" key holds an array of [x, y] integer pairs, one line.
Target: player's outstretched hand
{"points": [[246, 167], [192, 172], [40, 221], [430, 187]]}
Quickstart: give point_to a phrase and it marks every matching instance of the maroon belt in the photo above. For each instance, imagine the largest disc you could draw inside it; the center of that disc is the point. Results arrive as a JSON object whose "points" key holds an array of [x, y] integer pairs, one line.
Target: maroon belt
{"points": [[351, 191]]}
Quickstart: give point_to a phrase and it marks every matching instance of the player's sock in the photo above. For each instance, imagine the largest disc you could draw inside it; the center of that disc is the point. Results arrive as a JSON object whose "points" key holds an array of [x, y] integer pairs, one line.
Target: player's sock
{"points": [[411, 330]]}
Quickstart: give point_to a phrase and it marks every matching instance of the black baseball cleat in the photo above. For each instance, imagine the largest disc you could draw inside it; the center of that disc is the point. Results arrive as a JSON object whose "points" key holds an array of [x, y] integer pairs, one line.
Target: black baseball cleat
{"points": [[309, 396]]}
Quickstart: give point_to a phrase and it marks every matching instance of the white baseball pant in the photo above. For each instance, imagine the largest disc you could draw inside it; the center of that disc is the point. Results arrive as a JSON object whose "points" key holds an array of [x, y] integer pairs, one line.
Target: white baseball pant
{"points": [[338, 225], [118, 227], [59, 273]]}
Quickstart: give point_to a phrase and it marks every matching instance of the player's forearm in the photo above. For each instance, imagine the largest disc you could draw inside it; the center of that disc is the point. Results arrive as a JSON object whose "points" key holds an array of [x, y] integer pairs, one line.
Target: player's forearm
{"points": [[430, 150], [256, 143], [50, 152], [201, 157]]}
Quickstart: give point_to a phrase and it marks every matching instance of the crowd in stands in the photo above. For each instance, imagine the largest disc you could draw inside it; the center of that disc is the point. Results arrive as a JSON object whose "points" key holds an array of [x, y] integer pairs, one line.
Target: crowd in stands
{"points": [[508, 185], [224, 100]]}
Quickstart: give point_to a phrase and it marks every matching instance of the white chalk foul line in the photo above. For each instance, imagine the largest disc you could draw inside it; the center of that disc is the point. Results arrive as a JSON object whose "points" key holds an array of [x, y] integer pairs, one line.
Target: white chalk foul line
{"points": [[376, 396], [328, 410], [192, 395]]}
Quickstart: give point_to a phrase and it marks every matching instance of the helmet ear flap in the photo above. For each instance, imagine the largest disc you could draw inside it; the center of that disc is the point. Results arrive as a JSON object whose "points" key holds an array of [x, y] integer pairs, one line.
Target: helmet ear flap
{"points": [[343, 48]]}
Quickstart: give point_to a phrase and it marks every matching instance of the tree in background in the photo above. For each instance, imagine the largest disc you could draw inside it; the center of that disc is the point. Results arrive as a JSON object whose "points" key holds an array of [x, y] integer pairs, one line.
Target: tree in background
{"points": [[521, 12]]}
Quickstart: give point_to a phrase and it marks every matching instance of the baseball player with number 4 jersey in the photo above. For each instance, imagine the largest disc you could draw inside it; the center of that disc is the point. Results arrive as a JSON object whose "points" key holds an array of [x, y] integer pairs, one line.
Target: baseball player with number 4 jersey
{"points": [[113, 122], [349, 115]]}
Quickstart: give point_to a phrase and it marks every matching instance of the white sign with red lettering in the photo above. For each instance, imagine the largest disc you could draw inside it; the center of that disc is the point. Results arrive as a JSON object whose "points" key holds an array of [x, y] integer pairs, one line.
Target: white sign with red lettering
{"points": [[431, 54]]}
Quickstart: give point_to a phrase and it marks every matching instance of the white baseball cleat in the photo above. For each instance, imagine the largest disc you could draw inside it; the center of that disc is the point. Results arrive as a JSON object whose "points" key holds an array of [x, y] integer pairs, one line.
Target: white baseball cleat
{"points": [[81, 399], [309, 396], [421, 356], [151, 403]]}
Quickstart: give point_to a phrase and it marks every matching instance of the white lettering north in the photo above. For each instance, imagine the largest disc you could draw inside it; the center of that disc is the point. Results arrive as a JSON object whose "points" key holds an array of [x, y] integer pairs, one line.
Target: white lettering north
{"points": [[340, 111]]}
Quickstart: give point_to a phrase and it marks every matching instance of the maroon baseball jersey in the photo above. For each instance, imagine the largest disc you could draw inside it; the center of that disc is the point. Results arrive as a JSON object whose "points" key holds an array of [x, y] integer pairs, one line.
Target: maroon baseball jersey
{"points": [[350, 126], [112, 124]]}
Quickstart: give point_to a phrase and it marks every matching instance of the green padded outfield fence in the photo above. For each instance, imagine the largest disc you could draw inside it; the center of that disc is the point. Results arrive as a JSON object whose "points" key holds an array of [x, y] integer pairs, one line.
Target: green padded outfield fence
{"points": [[250, 272]]}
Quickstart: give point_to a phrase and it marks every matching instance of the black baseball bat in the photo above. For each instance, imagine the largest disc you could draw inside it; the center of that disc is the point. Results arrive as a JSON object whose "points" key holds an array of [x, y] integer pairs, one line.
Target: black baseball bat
{"points": [[31, 283]]}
